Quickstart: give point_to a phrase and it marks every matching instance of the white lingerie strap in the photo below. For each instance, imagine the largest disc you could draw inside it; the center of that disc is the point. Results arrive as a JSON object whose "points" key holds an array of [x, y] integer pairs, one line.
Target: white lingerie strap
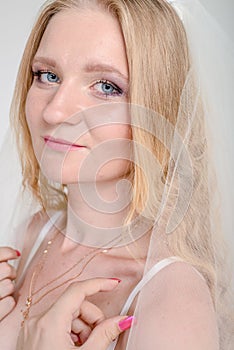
{"points": [[147, 277]]}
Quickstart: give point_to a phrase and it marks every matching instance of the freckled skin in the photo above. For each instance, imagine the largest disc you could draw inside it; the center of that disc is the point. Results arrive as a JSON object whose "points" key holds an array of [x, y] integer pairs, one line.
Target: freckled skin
{"points": [[76, 55]]}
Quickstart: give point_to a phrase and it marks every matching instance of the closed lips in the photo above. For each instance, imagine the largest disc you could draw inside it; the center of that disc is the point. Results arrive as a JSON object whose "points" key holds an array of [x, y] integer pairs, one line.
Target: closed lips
{"points": [[59, 141]]}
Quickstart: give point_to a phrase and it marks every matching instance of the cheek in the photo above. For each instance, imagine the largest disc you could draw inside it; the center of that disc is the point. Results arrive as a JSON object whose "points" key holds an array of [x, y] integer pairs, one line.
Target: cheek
{"points": [[111, 132], [36, 102], [112, 153]]}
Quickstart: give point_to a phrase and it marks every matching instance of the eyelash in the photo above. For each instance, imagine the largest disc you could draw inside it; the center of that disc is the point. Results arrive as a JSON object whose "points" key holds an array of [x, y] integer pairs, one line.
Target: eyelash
{"points": [[117, 91], [38, 74]]}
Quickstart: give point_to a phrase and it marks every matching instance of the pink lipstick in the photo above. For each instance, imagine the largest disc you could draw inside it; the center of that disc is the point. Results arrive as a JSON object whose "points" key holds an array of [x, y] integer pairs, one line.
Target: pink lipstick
{"points": [[61, 145]]}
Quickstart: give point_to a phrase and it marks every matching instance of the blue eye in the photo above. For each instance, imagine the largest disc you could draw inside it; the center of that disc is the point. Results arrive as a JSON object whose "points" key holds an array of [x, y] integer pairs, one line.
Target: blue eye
{"points": [[106, 88], [51, 77], [46, 77]]}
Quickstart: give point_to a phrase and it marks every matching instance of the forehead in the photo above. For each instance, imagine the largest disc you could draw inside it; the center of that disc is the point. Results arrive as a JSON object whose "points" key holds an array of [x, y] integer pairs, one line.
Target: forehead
{"points": [[80, 33]]}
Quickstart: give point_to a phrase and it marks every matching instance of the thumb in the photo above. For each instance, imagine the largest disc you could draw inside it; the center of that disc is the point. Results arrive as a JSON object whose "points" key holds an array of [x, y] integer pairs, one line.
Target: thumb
{"points": [[107, 331]]}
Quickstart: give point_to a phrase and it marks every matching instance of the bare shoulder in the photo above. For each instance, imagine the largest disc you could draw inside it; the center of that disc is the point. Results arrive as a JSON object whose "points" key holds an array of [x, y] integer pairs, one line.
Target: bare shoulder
{"points": [[180, 313], [180, 276]]}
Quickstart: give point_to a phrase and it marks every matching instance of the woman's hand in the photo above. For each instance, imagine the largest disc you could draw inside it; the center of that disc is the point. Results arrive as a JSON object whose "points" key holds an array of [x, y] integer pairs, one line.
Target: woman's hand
{"points": [[73, 319], [7, 276]]}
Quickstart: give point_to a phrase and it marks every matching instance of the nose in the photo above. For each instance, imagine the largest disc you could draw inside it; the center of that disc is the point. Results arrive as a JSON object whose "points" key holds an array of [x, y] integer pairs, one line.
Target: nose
{"points": [[63, 104]]}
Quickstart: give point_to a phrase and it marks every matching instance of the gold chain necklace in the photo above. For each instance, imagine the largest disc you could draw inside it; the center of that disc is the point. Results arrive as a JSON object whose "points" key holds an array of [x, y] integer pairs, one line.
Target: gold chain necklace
{"points": [[32, 293]]}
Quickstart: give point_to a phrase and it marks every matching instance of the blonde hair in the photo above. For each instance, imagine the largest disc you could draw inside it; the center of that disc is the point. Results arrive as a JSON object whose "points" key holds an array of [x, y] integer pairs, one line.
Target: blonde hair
{"points": [[168, 59], [158, 58]]}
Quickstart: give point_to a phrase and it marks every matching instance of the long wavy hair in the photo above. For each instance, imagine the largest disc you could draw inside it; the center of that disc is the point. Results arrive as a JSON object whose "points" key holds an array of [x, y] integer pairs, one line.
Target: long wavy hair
{"points": [[159, 64]]}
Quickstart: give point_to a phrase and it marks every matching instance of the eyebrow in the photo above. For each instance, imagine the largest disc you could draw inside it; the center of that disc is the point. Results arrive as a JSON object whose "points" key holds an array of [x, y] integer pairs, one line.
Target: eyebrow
{"points": [[96, 67], [46, 60], [88, 68]]}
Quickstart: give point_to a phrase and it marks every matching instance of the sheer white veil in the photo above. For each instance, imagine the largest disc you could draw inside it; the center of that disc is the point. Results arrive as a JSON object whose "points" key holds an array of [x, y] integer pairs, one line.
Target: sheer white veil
{"points": [[212, 56]]}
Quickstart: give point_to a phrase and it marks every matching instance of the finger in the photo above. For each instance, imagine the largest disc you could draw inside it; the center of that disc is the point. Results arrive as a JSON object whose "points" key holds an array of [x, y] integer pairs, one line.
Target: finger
{"points": [[70, 302], [106, 332], [7, 253], [78, 325], [6, 288], [91, 314], [81, 329], [7, 271], [6, 306], [75, 338]]}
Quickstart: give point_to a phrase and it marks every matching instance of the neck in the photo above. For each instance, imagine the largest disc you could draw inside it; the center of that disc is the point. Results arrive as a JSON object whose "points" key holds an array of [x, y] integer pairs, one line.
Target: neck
{"points": [[96, 213]]}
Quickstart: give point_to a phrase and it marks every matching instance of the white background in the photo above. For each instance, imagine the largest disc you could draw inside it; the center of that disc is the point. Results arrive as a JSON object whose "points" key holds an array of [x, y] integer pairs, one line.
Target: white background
{"points": [[16, 19]]}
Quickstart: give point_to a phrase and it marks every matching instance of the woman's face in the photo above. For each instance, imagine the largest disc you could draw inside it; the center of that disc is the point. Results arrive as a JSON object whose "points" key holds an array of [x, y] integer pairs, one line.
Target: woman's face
{"points": [[80, 72]]}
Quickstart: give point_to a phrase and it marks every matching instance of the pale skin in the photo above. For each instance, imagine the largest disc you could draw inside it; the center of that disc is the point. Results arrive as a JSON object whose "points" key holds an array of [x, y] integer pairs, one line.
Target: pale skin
{"points": [[71, 40]]}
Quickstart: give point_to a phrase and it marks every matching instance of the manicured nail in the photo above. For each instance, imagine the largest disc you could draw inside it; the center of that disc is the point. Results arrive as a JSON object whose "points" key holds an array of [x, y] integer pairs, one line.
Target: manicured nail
{"points": [[116, 279], [126, 323], [18, 253]]}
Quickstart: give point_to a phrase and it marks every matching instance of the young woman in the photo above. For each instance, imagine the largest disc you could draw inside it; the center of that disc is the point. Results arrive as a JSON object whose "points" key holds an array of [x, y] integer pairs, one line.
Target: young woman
{"points": [[111, 131]]}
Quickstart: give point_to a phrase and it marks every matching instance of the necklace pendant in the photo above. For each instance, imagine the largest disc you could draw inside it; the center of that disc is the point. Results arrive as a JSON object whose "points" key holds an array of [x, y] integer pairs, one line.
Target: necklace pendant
{"points": [[28, 302], [25, 316], [25, 312]]}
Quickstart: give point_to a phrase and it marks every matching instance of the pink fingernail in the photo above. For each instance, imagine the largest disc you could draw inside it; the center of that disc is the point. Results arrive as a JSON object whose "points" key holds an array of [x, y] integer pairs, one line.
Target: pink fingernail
{"points": [[126, 323], [18, 253], [116, 279]]}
